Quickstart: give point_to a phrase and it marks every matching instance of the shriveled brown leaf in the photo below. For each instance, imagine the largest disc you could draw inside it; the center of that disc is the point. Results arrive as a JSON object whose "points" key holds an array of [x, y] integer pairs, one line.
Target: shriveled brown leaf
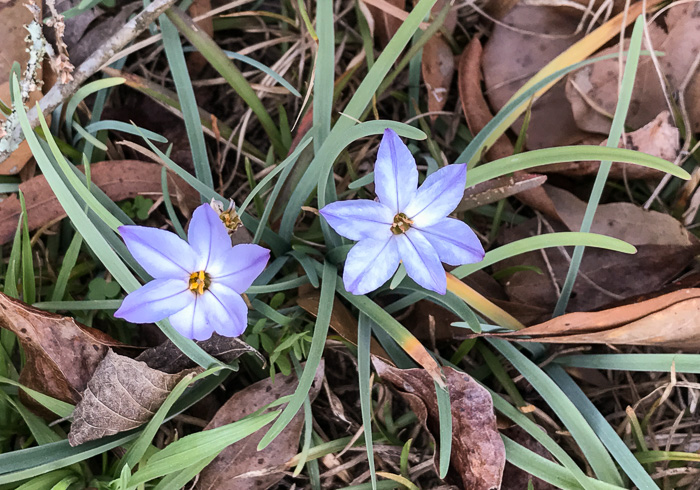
{"points": [[664, 249], [506, 68], [122, 394], [241, 465], [593, 90], [119, 179], [478, 454], [438, 63], [670, 321], [478, 115], [61, 355], [659, 138], [342, 321]]}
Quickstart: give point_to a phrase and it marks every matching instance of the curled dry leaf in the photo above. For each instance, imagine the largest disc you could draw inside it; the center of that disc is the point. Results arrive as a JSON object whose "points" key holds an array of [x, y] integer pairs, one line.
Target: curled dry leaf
{"points": [[61, 355], [540, 34], [438, 63], [241, 465], [659, 138], [592, 90], [121, 395], [664, 249], [478, 454], [119, 179], [671, 321]]}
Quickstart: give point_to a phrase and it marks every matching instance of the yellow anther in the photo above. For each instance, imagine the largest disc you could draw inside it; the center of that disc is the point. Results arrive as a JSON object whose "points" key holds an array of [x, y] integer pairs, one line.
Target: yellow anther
{"points": [[199, 282], [401, 224]]}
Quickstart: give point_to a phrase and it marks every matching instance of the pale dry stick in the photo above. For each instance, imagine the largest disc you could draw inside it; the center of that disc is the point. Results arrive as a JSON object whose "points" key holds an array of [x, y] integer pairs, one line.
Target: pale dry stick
{"points": [[601, 13], [60, 92]]}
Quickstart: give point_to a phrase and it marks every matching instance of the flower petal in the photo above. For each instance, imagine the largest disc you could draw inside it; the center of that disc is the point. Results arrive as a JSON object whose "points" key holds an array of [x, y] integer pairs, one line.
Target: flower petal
{"points": [[454, 241], [438, 196], [239, 266], [163, 254], [359, 219], [156, 300], [370, 263], [207, 235], [192, 321], [421, 261], [395, 173], [226, 310]]}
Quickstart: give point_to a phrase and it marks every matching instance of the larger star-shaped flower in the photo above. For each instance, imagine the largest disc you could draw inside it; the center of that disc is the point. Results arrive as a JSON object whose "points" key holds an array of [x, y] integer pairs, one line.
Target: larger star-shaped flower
{"points": [[197, 285], [407, 224]]}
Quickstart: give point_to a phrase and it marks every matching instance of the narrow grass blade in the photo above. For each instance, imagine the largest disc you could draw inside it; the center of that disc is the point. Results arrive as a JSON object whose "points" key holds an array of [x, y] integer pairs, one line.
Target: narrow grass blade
{"points": [[364, 335], [69, 260], [28, 278], [84, 91], [661, 363]]}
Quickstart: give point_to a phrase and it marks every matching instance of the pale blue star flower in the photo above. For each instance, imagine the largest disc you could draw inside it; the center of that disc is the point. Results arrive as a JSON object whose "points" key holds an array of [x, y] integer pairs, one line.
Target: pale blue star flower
{"points": [[197, 285], [406, 224]]}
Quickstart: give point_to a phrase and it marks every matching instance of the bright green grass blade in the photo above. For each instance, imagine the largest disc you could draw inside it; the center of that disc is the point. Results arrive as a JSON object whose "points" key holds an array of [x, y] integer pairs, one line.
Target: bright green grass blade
{"points": [[28, 279], [588, 441], [69, 260], [220, 62], [83, 134], [60, 408], [364, 336], [110, 125], [65, 483], [195, 447], [324, 72], [548, 156], [661, 363], [445, 416], [544, 469], [93, 237], [169, 205], [179, 479], [616, 129], [308, 432], [660, 456], [84, 91], [10, 286], [37, 426], [318, 341], [138, 449], [619, 450], [530, 244], [48, 480], [188, 103]]}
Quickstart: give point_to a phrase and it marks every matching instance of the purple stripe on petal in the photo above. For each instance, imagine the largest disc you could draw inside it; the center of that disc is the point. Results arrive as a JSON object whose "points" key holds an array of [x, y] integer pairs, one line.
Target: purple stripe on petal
{"points": [[395, 173], [207, 235], [359, 219], [226, 311], [163, 254], [239, 266], [155, 301], [370, 263], [438, 196], [192, 321], [454, 241], [421, 261]]}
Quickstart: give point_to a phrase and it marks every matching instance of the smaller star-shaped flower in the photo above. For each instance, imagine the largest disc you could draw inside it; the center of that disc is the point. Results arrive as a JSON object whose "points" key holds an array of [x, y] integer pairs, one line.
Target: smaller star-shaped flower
{"points": [[197, 285], [406, 224]]}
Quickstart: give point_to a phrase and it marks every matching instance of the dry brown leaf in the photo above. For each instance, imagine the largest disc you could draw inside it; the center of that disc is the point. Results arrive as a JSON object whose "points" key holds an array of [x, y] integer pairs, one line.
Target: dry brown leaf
{"points": [[15, 16], [438, 63], [241, 465], [387, 18], [506, 69], [121, 395], [592, 90], [342, 321], [119, 179], [478, 454], [671, 321], [61, 355], [499, 188]]}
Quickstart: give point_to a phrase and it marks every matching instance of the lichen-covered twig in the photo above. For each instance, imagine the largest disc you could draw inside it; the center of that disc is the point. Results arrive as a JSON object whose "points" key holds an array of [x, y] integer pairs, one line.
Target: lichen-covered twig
{"points": [[62, 91]]}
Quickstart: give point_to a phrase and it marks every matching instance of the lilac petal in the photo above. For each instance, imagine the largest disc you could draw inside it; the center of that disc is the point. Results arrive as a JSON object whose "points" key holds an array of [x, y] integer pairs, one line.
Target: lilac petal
{"points": [[438, 196], [454, 241], [395, 173], [370, 263], [421, 261], [359, 219], [192, 321], [226, 310], [239, 266], [207, 235], [163, 254], [156, 300]]}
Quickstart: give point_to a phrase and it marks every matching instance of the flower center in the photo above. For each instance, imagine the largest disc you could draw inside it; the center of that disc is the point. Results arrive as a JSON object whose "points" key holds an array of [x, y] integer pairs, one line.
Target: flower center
{"points": [[199, 282], [401, 224]]}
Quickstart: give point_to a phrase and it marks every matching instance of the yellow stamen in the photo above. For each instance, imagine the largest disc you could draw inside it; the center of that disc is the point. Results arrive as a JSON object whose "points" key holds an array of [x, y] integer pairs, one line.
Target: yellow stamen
{"points": [[401, 224], [199, 282]]}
